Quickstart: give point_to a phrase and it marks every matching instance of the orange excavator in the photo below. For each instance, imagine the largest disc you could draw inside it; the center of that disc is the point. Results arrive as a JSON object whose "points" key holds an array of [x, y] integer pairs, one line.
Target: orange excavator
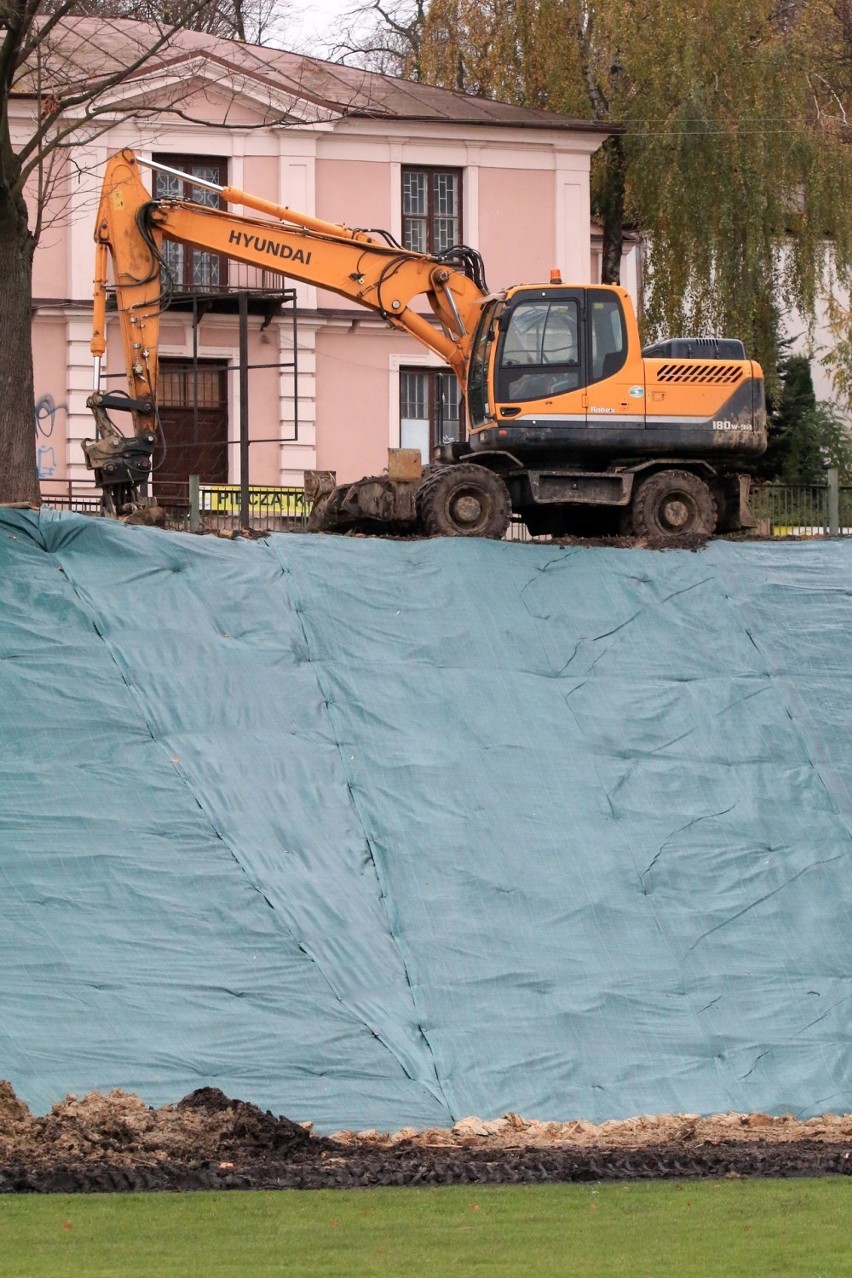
{"points": [[566, 415]]}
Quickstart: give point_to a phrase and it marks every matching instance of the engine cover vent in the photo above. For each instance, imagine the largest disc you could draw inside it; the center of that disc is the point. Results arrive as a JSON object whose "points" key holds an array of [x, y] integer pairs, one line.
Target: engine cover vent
{"points": [[696, 348], [701, 374]]}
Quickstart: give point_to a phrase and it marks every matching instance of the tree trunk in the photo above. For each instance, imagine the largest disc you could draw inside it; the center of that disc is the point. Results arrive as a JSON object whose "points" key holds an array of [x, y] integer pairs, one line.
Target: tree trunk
{"points": [[18, 472], [612, 210]]}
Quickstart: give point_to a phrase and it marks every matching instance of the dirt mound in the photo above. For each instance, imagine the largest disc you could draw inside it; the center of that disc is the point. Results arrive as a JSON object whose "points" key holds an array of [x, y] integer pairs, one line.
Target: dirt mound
{"points": [[208, 1141], [240, 1129], [118, 1129]]}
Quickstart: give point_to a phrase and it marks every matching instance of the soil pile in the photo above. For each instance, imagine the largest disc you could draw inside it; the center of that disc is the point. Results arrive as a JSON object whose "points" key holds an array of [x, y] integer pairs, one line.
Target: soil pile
{"points": [[118, 1142], [208, 1141]]}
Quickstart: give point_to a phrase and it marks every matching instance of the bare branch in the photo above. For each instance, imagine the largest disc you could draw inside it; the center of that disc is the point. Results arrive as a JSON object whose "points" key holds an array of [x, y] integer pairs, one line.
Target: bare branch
{"points": [[43, 29], [384, 37], [57, 106]]}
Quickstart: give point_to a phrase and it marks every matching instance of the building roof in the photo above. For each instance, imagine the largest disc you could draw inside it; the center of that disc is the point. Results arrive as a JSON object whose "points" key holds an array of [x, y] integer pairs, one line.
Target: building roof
{"points": [[84, 49]]}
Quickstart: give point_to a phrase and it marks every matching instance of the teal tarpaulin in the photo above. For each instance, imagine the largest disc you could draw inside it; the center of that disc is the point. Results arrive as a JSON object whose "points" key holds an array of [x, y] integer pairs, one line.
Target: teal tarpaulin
{"points": [[385, 833]]}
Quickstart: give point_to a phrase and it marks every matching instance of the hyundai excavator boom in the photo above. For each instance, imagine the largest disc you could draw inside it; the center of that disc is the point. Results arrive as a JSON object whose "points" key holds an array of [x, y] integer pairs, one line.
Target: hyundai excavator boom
{"points": [[130, 230]]}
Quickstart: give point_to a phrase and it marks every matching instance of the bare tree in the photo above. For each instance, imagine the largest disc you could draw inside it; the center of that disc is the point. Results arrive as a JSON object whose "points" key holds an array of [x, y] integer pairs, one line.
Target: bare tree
{"points": [[252, 21], [61, 78], [385, 36]]}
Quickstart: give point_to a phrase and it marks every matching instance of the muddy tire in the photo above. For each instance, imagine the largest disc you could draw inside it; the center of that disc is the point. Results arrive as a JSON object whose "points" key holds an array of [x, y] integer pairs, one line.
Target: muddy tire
{"points": [[464, 501], [671, 506]]}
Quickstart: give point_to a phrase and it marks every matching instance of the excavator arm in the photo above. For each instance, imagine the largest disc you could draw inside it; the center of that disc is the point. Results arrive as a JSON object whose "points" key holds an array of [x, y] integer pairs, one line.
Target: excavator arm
{"points": [[384, 278]]}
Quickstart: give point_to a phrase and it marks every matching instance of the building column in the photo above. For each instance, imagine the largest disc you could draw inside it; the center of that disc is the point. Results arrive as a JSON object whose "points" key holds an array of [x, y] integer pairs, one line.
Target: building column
{"points": [[298, 400], [78, 381], [573, 214]]}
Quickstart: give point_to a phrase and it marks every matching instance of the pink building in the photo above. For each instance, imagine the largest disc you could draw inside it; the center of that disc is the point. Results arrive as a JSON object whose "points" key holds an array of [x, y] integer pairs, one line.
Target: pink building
{"points": [[431, 167]]}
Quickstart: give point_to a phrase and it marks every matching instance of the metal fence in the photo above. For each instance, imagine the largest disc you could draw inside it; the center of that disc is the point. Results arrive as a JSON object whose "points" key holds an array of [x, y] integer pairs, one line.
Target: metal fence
{"points": [[198, 507], [807, 510], [803, 510], [62, 494]]}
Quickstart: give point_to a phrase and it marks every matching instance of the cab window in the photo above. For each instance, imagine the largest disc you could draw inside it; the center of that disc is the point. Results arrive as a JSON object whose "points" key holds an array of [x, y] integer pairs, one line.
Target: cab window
{"points": [[540, 353], [609, 342], [477, 382]]}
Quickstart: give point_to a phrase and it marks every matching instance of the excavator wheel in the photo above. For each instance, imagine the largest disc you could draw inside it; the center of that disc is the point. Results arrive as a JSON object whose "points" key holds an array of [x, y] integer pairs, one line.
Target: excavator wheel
{"points": [[464, 501], [673, 505]]}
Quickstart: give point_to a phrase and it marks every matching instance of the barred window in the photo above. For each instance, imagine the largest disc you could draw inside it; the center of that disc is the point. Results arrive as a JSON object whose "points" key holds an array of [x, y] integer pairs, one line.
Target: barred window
{"points": [[431, 209], [183, 385], [193, 270]]}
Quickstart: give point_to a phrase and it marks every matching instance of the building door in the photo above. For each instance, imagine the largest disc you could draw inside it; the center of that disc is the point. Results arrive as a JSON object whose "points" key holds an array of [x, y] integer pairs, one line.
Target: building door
{"points": [[430, 409], [193, 404]]}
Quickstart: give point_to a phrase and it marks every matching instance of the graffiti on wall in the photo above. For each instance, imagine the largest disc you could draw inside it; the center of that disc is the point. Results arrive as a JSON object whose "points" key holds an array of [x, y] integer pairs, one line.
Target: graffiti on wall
{"points": [[46, 409]]}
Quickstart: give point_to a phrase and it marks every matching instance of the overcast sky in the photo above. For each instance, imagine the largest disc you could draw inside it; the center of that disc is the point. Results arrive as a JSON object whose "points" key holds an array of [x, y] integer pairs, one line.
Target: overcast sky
{"points": [[313, 25]]}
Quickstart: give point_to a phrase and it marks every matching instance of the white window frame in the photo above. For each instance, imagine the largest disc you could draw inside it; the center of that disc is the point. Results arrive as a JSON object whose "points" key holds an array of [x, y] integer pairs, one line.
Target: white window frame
{"points": [[420, 360]]}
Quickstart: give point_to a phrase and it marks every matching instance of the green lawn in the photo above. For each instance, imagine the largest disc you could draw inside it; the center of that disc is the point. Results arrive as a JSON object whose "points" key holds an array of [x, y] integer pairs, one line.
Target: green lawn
{"points": [[728, 1228]]}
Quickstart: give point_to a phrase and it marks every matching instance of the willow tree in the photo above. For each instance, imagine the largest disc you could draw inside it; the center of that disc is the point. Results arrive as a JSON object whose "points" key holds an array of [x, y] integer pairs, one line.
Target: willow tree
{"points": [[734, 160]]}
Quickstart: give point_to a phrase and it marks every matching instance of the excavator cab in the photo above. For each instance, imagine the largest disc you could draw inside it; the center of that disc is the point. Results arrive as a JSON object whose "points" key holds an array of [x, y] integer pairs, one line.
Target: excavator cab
{"points": [[546, 364]]}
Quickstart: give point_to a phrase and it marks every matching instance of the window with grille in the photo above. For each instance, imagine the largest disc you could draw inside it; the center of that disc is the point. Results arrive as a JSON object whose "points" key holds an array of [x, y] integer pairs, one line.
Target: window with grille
{"points": [[431, 209], [184, 384], [429, 409], [193, 270]]}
